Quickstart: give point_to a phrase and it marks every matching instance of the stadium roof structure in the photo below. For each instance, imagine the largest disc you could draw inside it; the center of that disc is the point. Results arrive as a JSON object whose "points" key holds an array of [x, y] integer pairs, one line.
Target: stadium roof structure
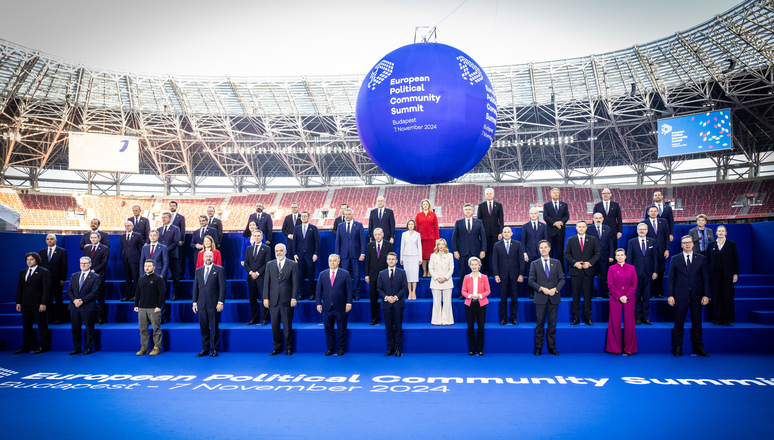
{"points": [[576, 116]]}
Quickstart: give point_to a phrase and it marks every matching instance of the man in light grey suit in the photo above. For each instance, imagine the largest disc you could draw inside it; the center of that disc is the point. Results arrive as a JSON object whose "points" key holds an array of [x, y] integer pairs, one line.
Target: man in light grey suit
{"points": [[280, 292], [546, 278]]}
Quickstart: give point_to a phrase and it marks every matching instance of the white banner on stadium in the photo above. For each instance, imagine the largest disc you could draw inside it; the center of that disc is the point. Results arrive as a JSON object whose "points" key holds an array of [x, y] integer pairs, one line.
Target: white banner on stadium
{"points": [[104, 152]]}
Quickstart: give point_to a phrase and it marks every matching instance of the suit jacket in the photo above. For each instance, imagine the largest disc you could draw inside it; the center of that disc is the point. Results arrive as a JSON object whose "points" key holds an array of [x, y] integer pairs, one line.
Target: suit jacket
{"points": [[468, 243], [551, 216], [666, 214], [130, 251], [531, 238], [208, 294], [507, 265], [305, 247], [141, 226], [170, 239], [280, 288], [538, 279], [257, 263], [724, 262], [104, 238], [646, 264], [216, 223], [198, 238], [694, 233], [493, 224], [86, 293], [339, 220], [334, 297], [607, 242], [684, 285], [351, 245], [374, 264], [397, 286], [57, 266], [160, 257], [264, 223], [590, 253], [387, 224], [101, 257], [288, 227], [612, 218], [179, 221], [661, 236], [36, 290], [483, 289]]}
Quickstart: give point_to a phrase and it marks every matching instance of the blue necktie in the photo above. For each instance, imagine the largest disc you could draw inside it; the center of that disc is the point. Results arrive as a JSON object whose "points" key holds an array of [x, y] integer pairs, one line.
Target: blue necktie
{"points": [[659, 210], [548, 271], [507, 247], [83, 277], [643, 246], [206, 274]]}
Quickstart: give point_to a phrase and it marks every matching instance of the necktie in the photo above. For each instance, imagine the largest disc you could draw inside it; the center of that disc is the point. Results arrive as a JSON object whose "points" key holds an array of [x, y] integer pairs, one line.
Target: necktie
{"points": [[128, 236], [206, 273], [378, 250], [534, 226], [655, 229], [136, 220], [548, 271], [255, 249], [599, 230], [29, 274], [333, 277], [469, 227], [165, 230], [201, 234], [688, 262], [211, 218], [507, 247], [153, 247], [380, 216], [607, 207], [490, 208], [659, 209], [556, 207], [581, 242], [391, 272], [294, 219], [50, 254], [642, 245], [93, 249], [279, 266], [83, 277], [349, 227], [304, 231]]}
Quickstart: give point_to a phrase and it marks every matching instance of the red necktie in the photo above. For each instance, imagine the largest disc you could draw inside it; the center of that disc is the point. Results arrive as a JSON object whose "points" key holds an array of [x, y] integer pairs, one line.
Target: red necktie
{"points": [[581, 242], [153, 247], [93, 248]]}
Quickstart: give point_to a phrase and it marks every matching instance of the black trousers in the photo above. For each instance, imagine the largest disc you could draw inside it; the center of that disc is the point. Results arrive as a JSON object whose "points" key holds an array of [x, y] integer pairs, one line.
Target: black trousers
{"points": [[282, 313], [87, 317], [557, 247], [209, 325], [339, 318], [393, 323], [254, 288], [657, 285], [56, 308], [642, 297], [374, 295], [582, 283], [464, 268], [526, 290], [487, 260], [601, 270], [475, 314], [175, 268], [681, 309], [722, 298], [131, 275], [509, 289], [30, 314], [543, 311], [306, 272], [102, 307]]}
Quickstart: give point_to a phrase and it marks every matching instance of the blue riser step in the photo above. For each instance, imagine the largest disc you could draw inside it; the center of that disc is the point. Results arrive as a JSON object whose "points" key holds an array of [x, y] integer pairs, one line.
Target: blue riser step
{"points": [[765, 317]]}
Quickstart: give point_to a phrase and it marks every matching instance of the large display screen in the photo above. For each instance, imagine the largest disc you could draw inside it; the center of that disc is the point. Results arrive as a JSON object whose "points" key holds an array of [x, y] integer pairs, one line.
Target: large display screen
{"points": [[104, 152], [700, 133]]}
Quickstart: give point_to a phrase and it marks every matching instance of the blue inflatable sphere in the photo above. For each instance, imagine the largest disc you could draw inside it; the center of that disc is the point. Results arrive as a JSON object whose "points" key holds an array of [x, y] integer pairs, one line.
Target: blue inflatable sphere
{"points": [[426, 113]]}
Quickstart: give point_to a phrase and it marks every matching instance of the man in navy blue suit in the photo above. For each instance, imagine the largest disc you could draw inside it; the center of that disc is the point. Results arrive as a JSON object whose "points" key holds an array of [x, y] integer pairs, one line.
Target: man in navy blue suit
{"points": [[209, 295], [255, 259], [392, 287], [140, 224], [664, 211], [607, 244], [131, 248], [262, 220], [384, 218], [546, 278], [582, 254], [204, 230], [99, 255], [688, 289], [658, 229], [468, 240], [532, 233], [215, 222], [351, 247], [556, 214], [611, 213], [54, 259], [340, 219], [179, 221], [103, 236], [289, 228], [82, 292], [170, 236], [306, 247], [157, 252], [490, 212], [507, 268], [641, 252], [334, 301]]}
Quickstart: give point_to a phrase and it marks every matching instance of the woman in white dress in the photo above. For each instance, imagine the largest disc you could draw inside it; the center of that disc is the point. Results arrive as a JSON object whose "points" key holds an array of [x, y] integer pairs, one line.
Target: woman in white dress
{"points": [[441, 269], [411, 256]]}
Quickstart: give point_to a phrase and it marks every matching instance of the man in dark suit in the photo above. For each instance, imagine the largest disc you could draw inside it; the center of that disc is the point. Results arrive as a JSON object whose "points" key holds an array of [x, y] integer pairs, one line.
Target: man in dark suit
{"points": [[375, 262], [556, 214], [54, 259], [468, 240], [33, 292], [289, 227], [582, 254], [103, 236], [209, 295], [641, 252], [384, 218], [82, 292], [262, 220], [492, 217], [340, 219], [256, 257], [664, 212], [507, 268], [179, 221], [392, 287], [546, 278], [658, 229], [140, 224], [203, 231], [131, 248], [157, 252], [99, 255], [532, 233], [170, 236], [611, 214], [215, 222], [279, 295], [334, 301], [688, 289], [351, 247], [306, 247], [607, 244], [148, 303]]}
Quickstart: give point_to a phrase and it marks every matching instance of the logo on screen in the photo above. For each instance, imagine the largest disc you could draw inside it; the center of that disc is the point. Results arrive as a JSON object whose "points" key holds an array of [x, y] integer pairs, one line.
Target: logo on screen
{"points": [[666, 129], [380, 73], [124, 146]]}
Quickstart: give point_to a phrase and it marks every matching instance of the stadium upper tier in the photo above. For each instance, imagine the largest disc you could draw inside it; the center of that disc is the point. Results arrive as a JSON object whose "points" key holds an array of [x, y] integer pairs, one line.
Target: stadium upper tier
{"points": [[721, 202], [575, 114]]}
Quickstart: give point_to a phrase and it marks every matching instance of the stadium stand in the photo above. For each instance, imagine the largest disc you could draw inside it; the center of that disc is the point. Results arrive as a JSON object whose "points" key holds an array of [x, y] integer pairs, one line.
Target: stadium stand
{"points": [[307, 201], [240, 208], [580, 201], [404, 201], [634, 201], [451, 199], [519, 200], [768, 201], [711, 200], [359, 199], [113, 211], [192, 208], [38, 210]]}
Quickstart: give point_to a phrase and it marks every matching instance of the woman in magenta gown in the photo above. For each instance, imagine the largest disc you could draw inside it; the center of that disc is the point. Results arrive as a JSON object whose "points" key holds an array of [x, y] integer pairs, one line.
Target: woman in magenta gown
{"points": [[622, 281]]}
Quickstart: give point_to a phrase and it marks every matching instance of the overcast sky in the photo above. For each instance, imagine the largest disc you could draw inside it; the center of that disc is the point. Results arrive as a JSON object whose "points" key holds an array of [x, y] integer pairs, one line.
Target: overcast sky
{"points": [[311, 37]]}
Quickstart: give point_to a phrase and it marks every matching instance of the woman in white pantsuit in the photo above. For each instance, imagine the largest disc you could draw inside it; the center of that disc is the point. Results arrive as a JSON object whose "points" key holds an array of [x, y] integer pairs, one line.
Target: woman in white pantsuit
{"points": [[441, 269], [411, 256]]}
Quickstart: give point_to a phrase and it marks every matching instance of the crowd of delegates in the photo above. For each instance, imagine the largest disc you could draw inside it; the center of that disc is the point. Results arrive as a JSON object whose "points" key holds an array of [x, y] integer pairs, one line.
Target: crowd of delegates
{"points": [[482, 247]]}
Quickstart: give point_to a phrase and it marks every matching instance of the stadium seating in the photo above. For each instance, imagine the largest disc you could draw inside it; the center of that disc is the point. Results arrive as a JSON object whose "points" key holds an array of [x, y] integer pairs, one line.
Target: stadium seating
{"points": [[451, 198], [634, 201], [517, 201], [715, 201], [241, 207], [577, 198], [404, 201], [359, 199], [40, 210], [768, 201], [112, 212]]}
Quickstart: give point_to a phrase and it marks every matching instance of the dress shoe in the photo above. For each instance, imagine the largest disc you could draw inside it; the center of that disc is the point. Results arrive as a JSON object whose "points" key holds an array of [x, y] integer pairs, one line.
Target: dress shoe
{"points": [[398, 353], [614, 354], [588, 322], [660, 295], [627, 354], [264, 322], [575, 321], [480, 353], [174, 298], [142, 352], [605, 295], [57, 322], [356, 297], [76, 351], [716, 322], [131, 298], [88, 351], [514, 321], [202, 353], [699, 351], [311, 297], [300, 298], [462, 298], [537, 352], [677, 351], [22, 350], [274, 352], [374, 321], [155, 352], [329, 352], [553, 351], [39, 350], [637, 321], [124, 299], [390, 352], [726, 323], [531, 296], [252, 322], [99, 322], [214, 353], [646, 321], [288, 352], [502, 322], [470, 353], [340, 352]]}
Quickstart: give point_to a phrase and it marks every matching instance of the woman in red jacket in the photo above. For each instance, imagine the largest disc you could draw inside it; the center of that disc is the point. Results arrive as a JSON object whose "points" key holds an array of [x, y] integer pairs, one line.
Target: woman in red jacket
{"points": [[475, 289], [427, 225]]}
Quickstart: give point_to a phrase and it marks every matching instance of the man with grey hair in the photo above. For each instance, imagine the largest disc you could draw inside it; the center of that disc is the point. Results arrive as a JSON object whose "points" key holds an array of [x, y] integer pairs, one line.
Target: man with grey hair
{"points": [[82, 292], [280, 294], [383, 218], [209, 295], [611, 214], [532, 233], [556, 213], [99, 255], [334, 301], [375, 262], [140, 224], [491, 215]]}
